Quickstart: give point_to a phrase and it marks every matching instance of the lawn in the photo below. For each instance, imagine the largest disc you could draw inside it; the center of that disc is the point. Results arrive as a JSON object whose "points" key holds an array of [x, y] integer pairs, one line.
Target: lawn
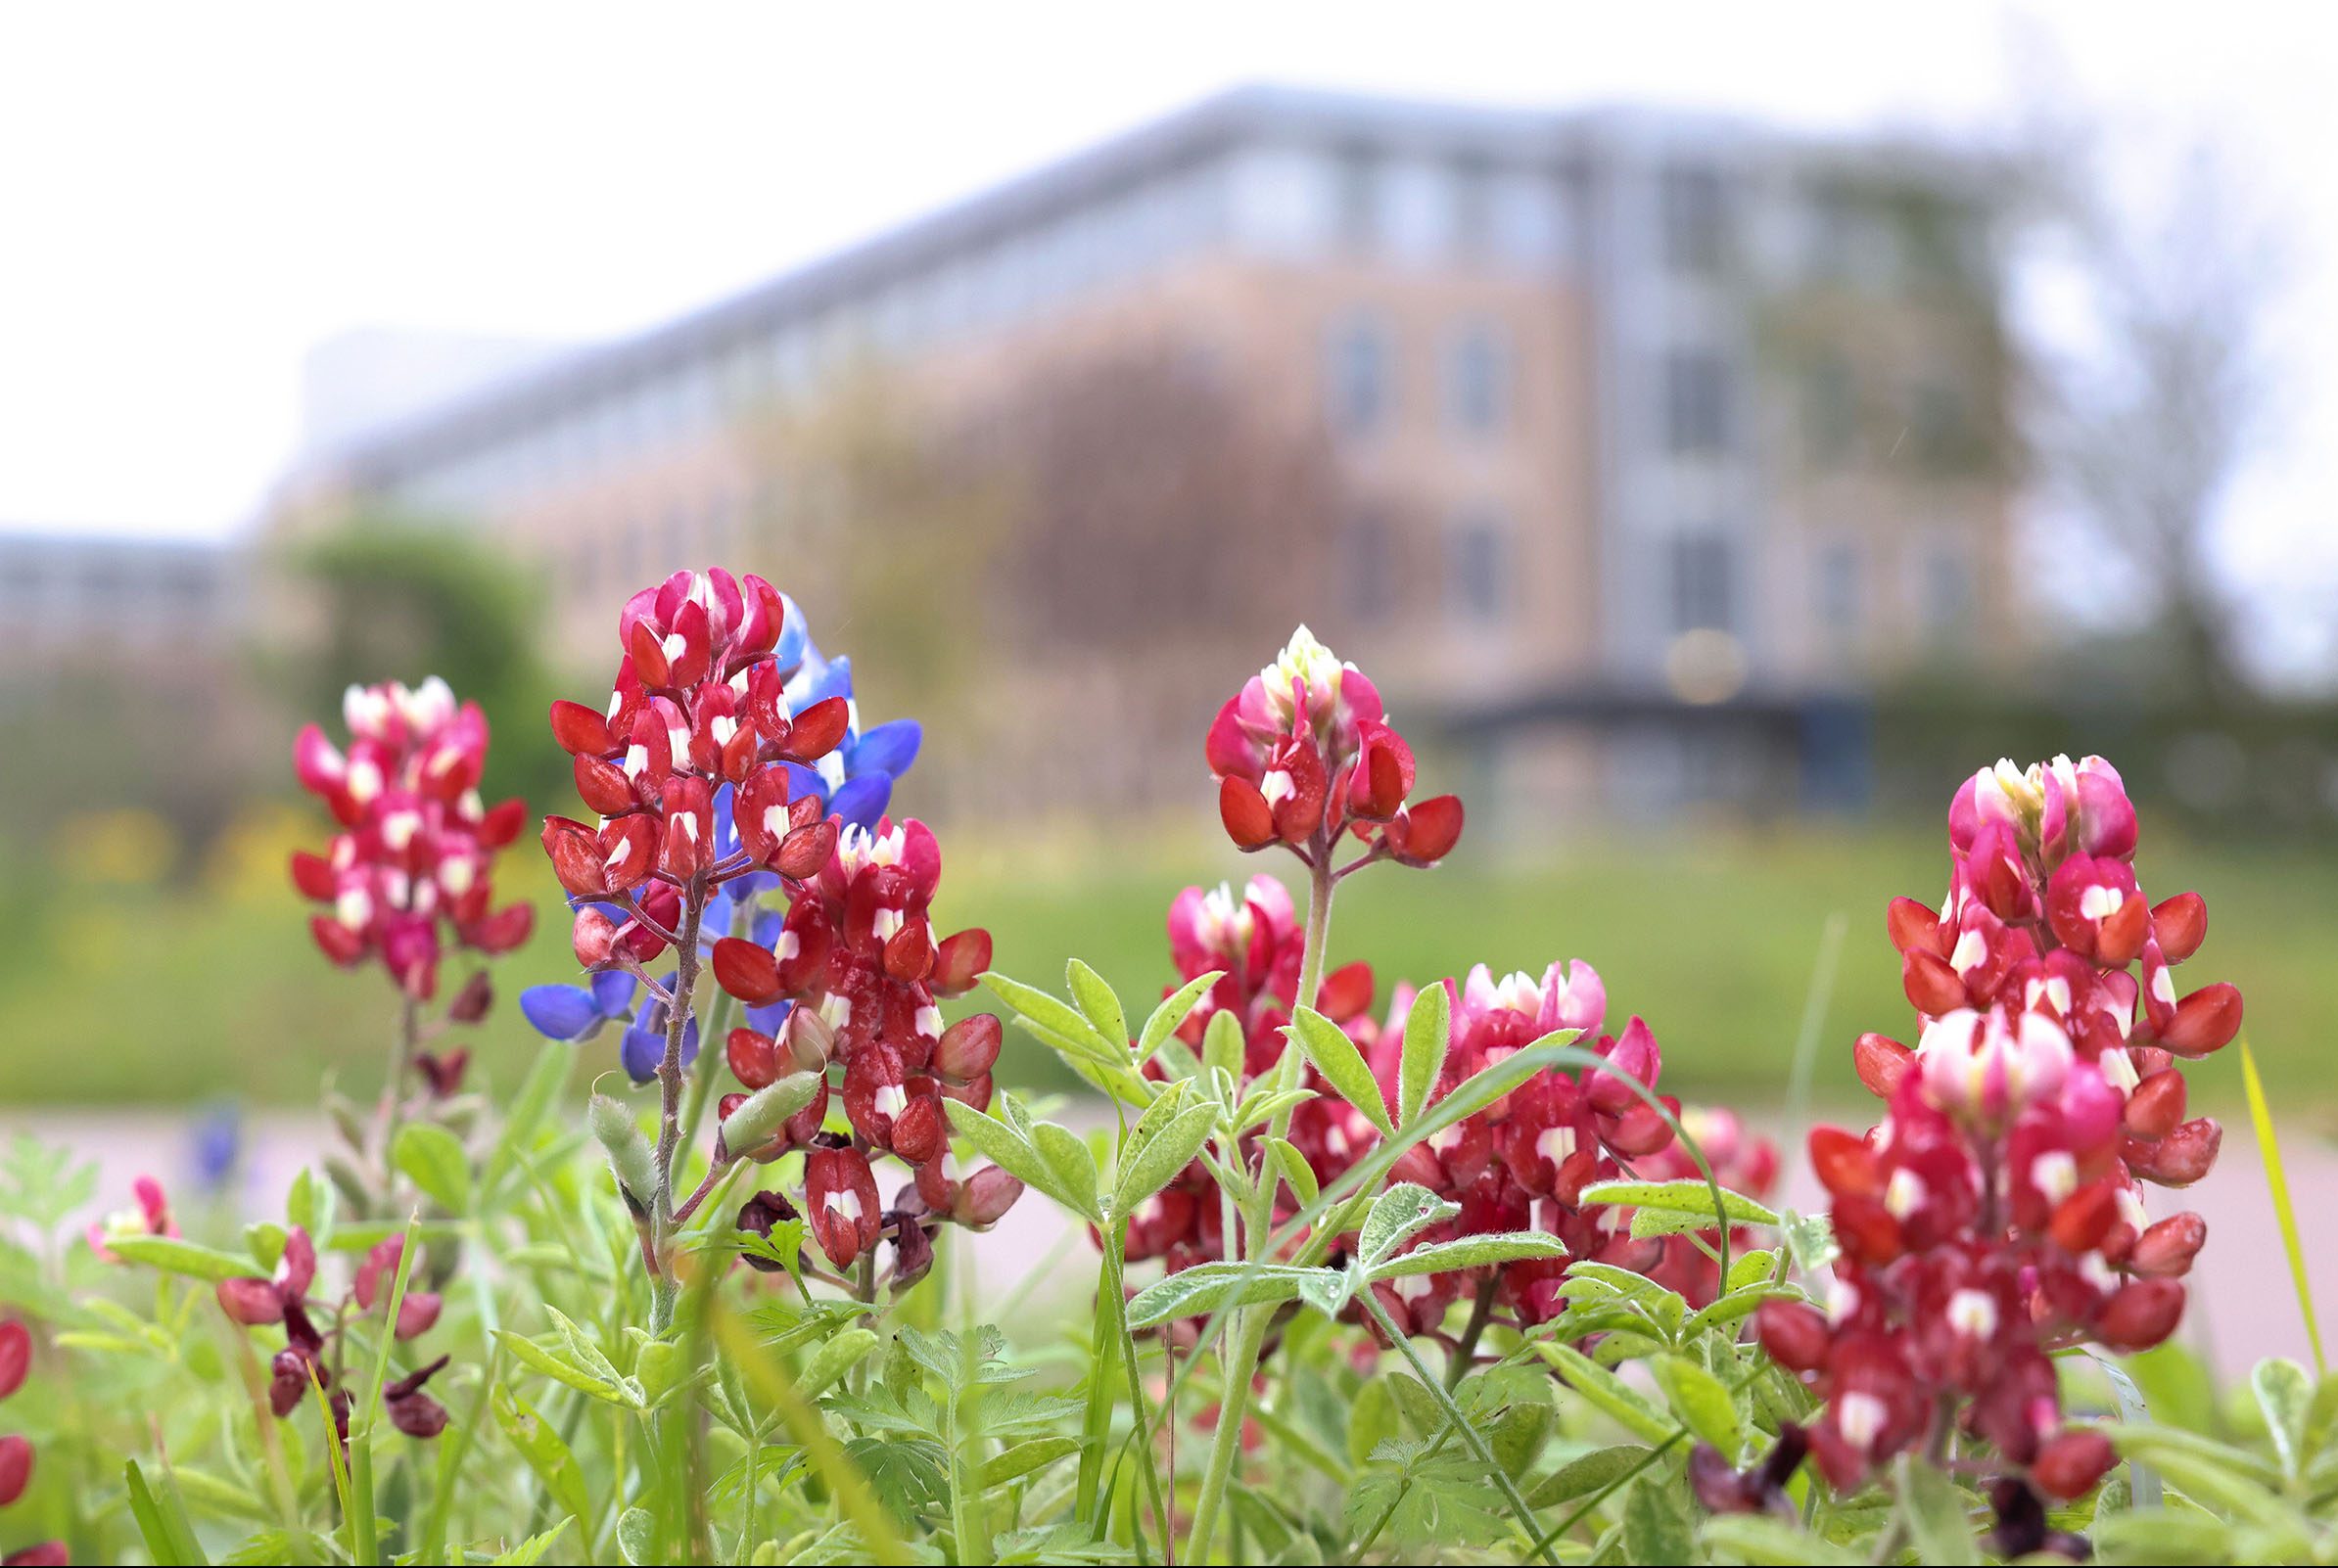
{"points": [[127, 993]]}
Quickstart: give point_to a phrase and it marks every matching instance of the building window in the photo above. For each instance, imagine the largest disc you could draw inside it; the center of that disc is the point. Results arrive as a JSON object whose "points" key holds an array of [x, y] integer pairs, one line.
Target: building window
{"points": [[1830, 410], [1358, 199], [1703, 582], [1472, 193], [1479, 570], [1371, 559], [1947, 593], [1837, 588], [1696, 221], [1359, 388], [1940, 430], [1696, 403], [1477, 380]]}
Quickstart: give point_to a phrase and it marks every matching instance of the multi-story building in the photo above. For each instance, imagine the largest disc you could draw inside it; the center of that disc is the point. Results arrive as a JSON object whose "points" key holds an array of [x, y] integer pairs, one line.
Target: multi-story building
{"points": [[115, 601], [1617, 419]]}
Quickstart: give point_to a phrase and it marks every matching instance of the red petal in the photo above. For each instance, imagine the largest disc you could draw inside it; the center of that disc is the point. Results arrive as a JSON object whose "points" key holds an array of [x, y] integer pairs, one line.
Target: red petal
{"points": [[815, 730], [577, 730], [746, 971], [1248, 820], [961, 959], [312, 874]]}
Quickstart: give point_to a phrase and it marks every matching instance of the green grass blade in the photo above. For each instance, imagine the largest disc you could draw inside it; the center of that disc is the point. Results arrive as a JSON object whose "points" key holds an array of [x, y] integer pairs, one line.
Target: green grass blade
{"points": [[2270, 1147]]}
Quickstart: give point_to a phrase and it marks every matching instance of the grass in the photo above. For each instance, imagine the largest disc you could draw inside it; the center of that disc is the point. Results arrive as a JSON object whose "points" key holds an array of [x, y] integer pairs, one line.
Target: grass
{"points": [[126, 993]]}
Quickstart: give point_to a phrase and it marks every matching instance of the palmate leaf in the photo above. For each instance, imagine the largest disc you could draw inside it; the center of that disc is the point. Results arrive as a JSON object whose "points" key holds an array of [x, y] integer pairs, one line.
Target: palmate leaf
{"points": [[1210, 1286], [909, 1475], [1439, 1500], [1396, 1217]]}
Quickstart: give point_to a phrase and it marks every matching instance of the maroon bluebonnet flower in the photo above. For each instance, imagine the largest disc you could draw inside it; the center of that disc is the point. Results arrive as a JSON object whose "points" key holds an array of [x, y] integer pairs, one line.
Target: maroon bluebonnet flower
{"points": [[151, 1216], [1304, 754], [1997, 1213], [408, 876], [304, 1362]]}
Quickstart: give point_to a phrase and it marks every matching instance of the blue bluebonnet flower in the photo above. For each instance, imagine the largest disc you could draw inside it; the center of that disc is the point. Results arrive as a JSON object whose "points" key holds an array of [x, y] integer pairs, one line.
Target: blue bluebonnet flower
{"points": [[216, 1141], [643, 1047], [855, 780], [578, 1012]]}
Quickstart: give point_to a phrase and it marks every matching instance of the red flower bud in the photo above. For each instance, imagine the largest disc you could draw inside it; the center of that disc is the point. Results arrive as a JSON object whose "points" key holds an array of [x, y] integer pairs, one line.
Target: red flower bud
{"points": [[250, 1302], [603, 786], [2156, 1107], [2179, 925], [1882, 1062], [592, 937], [1843, 1162], [1427, 832], [2180, 1159], [2167, 1249], [921, 1132], [983, 1198], [814, 733], [1913, 928], [841, 1195], [806, 850], [629, 853], [1931, 987], [1249, 821], [16, 1355], [960, 960], [574, 852], [754, 1058], [16, 1467], [1345, 993], [2205, 1021], [1794, 1334], [2071, 1462], [2139, 1315], [746, 971], [2080, 1220], [314, 875], [969, 1047], [579, 731]]}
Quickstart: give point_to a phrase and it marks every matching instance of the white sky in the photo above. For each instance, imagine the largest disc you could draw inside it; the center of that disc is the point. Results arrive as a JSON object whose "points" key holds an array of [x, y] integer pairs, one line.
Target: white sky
{"points": [[192, 195]]}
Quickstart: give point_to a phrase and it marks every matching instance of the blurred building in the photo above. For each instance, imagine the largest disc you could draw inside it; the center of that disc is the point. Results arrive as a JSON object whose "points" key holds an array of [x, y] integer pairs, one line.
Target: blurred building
{"points": [[1625, 445], [93, 598]]}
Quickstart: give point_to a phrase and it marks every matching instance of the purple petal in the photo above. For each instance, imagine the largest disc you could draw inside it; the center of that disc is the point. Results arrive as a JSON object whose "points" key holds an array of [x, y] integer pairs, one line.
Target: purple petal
{"points": [[862, 800], [612, 991], [560, 1012], [890, 748]]}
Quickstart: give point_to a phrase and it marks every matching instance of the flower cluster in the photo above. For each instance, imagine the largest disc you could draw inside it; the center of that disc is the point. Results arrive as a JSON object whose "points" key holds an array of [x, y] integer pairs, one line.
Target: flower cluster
{"points": [[1995, 1215], [306, 1360], [851, 979], [408, 876], [1526, 1160], [1303, 754], [16, 1449], [1255, 943]]}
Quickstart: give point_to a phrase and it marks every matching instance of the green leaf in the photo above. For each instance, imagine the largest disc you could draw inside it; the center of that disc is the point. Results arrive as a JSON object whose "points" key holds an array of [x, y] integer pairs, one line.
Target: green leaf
{"points": [[175, 1256], [1023, 1457], [1751, 1269], [911, 1475], [162, 1521], [1809, 1240], [1939, 1519], [1702, 1401], [1222, 1044], [1688, 1196], [532, 1550], [1623, 1403], [1007, 1149], [2286, 1394], [562, 1369], [1470, 1252], [1656, 1522], [1097, 1002], [1069, 1161], [637, 1536], [1156, 1163], [839, 1356], [1174, 1009], [1432, 1500], [1056, 1023], [1207, 1288], [2269, 1147], [1755, 1538], [1428, 1032], [434, 1159], [1395, 1218], [544, 1449], [1594, 1471], [1326, 1045], [1296, 1169]]}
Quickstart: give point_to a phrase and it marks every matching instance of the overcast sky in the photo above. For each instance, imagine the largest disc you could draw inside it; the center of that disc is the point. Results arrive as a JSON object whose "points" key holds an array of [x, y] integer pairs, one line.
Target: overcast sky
{"points": [[192, 195]]}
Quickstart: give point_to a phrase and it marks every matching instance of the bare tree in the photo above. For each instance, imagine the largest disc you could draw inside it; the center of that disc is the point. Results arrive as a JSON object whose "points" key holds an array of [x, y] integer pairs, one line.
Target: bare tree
{"points": [[2155, 394]]}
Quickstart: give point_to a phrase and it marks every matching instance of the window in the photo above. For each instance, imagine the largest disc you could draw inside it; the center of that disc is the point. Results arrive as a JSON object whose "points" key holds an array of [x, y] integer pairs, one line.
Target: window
{"points": [[1830, 409], [1478, 570], [1696, 403], [1358, 199], [1837, 588], [1371, 559], [1473, 207], [1943, 434], [1947, 591], [1696, 221], [1359, 396], [1703, 582], [1477, 380]]}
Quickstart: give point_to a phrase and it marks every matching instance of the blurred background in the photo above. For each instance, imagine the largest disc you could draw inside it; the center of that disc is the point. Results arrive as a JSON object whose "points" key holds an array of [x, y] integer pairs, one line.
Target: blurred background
{"points": [[1717, 430]]}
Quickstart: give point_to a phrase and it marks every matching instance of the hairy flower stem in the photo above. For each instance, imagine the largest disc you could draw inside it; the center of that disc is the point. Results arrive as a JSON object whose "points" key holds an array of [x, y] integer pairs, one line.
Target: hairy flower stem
{"points": [[394, 1082], [1456, 1365], [663, 1288], [1248, 1333]]}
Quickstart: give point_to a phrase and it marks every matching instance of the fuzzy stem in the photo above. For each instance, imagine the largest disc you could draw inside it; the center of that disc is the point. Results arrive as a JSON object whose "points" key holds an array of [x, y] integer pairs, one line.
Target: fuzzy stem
{"points": [[1248, 1332], [394, 1082], [1457, 1365], [664, 1288]]}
